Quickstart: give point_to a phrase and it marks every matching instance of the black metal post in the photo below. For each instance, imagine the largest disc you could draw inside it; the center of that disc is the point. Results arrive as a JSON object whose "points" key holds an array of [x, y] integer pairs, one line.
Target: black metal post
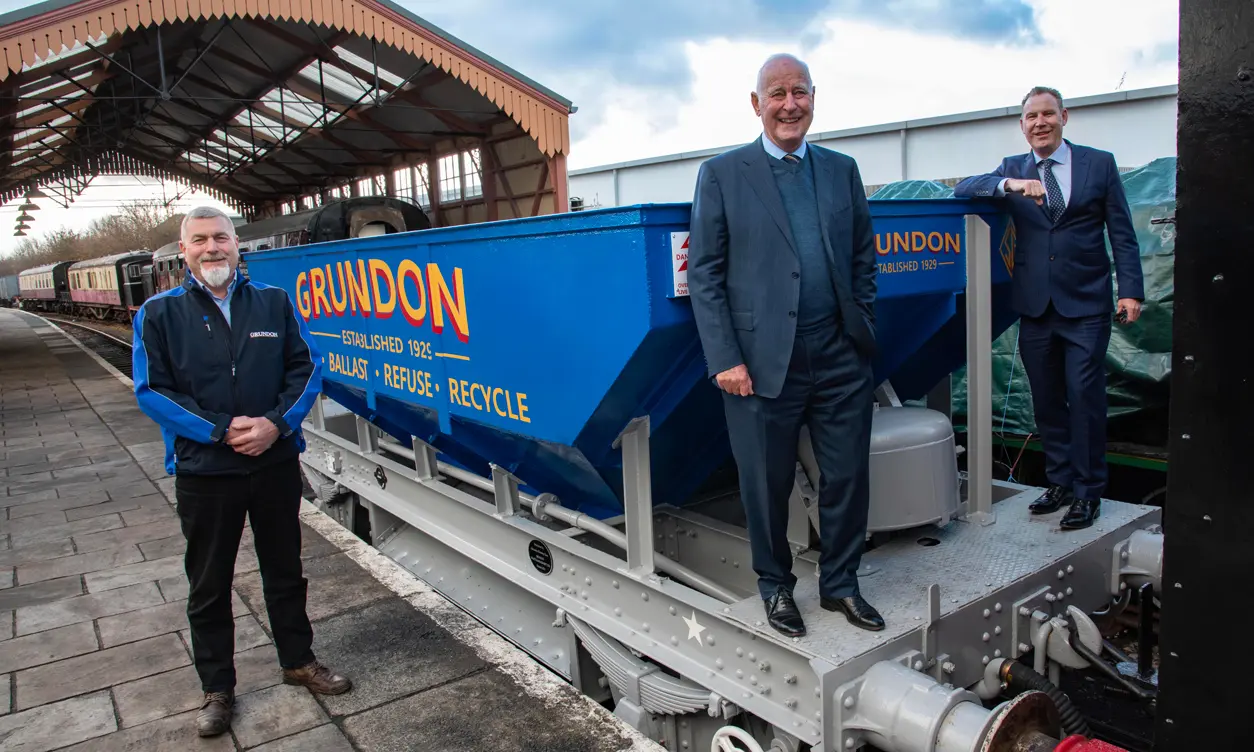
{"points": [[1209, 517], [1145, 650]]}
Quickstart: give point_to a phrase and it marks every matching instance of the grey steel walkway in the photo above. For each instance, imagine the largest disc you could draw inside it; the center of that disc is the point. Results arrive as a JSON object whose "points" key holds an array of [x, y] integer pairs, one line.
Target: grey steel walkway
{"points": [[94, 651]]}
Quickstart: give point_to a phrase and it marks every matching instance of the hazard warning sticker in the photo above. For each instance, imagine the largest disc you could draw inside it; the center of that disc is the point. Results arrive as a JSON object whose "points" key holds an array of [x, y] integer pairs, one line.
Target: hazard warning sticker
{"points": [[679, 263]]}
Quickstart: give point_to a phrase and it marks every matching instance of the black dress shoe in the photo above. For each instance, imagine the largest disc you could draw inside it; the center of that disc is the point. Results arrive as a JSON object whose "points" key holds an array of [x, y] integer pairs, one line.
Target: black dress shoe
{"points": [[857, 611], [783, 614], [1051, 501], [1081, 514]]}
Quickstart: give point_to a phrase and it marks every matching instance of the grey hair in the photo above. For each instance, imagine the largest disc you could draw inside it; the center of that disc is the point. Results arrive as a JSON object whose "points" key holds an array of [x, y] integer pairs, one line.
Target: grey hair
{"points": [[204, 212], [1036, 90], [775, 59]]}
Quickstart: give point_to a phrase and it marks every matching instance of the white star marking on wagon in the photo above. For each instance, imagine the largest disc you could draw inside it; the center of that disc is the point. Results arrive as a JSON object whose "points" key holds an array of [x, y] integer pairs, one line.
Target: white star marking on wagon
{"points": [[694, 629]]}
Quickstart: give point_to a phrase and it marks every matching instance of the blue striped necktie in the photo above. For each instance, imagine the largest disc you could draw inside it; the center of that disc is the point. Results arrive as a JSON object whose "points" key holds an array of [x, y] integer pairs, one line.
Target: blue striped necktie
{"points": [[792, 158]]}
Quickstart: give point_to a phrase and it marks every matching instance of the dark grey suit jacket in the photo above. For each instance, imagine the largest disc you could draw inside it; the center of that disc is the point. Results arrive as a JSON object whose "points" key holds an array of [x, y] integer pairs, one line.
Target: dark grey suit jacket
{"points": [[744, 276]]}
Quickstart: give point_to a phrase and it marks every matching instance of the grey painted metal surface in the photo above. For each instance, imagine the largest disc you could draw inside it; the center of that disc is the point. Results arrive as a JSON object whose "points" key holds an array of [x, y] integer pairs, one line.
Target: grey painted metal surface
{"points": [[979, 372], [994, 586]]}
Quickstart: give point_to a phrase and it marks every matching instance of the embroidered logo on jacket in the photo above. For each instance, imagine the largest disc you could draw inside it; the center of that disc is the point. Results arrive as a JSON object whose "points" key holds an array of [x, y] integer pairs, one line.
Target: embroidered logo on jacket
{"points": [[254, 335]]}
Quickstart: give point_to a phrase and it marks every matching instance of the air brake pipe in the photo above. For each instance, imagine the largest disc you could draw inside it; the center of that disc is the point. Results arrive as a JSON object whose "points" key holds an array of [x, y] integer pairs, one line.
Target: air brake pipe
{"points": [[582, 522]]}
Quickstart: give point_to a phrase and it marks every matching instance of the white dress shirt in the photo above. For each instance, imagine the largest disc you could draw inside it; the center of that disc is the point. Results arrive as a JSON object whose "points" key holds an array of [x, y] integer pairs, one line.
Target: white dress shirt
{"points": [[1061, 170], [779, 153]]}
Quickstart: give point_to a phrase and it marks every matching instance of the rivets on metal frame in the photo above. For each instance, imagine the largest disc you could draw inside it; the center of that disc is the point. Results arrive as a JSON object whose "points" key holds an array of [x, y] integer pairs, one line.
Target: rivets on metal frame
{"points": [[644, 596]]}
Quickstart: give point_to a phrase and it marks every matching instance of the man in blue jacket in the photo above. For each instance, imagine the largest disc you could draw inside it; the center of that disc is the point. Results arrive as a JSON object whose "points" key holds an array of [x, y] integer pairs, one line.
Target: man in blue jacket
{"points": [[228, 370], [1062, 196]]}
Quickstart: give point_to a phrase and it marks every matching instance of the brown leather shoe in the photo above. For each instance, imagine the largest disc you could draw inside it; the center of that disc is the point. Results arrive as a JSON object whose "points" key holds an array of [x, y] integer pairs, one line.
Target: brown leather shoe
{"points": [[317, 678], [214, 717]]}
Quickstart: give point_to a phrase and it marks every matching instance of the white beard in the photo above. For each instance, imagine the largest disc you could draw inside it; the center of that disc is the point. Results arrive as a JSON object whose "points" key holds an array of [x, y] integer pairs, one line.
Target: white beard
{"points": [[217, 275]]}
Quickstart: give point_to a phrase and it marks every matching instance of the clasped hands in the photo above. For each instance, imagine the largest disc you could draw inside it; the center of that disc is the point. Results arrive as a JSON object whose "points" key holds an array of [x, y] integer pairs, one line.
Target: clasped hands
{"points": [[251, 436]]}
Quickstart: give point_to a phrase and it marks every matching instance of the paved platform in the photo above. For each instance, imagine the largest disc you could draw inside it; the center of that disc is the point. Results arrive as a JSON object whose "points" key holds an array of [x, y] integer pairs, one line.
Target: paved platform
{"points": [[94, 648]]}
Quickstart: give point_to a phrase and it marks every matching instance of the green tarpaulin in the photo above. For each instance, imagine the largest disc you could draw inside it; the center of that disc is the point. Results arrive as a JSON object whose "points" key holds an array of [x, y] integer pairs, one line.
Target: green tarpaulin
{"points": [[1139, 359]]}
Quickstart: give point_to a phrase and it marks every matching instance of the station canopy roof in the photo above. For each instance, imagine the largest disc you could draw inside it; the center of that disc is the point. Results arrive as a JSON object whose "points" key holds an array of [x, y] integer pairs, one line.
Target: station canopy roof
{"points": [[257, 102]]}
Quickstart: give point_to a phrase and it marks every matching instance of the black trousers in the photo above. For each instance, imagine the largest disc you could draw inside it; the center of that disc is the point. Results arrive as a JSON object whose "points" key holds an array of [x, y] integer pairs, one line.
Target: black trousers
{"points": [[212, 510], [1065, 359], [828, 387]]}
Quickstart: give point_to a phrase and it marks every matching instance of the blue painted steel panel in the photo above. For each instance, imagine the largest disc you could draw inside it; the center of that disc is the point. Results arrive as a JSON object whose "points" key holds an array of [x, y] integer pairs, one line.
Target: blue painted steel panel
{"points": [[531, 343]]}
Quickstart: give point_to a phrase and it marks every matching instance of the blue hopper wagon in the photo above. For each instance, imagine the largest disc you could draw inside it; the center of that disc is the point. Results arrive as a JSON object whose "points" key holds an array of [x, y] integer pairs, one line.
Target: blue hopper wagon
{"points": [[522, 416]]}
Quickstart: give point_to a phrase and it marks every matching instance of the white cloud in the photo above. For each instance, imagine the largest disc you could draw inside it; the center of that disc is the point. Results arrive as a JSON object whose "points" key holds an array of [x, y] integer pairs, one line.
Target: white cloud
{"points": [[867, 74]]}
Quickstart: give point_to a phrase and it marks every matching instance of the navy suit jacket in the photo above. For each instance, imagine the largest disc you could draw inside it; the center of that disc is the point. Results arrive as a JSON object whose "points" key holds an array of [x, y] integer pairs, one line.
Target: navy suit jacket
{"points": [[744, 275], [1066, 262]]}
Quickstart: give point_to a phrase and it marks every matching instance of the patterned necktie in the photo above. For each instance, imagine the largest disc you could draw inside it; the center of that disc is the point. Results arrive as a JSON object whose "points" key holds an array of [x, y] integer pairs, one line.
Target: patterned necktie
{"points": [[1052, 191], [792, 159]]}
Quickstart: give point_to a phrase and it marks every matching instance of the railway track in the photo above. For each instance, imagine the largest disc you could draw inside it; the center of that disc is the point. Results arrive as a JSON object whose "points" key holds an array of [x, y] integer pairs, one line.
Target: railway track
{"points": [[115, 350]]}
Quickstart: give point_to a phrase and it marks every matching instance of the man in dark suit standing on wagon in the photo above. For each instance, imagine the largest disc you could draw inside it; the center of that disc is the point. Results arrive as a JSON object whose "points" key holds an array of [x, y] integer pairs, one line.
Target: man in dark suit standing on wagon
{"points": [[1062, 196], [782, 281]]}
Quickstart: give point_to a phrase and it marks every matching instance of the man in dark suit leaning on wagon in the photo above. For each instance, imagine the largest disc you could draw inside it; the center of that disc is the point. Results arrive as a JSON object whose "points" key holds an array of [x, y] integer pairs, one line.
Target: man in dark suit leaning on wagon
{"points": [[1062, 196], [782, 283], [227, 369]]}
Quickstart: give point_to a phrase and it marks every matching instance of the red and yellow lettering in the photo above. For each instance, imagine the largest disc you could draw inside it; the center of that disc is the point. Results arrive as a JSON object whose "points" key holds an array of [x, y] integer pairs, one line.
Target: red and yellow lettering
{"points": [[358, 287], [381, 309], [321, 306], [414, 314], [302, 295], [442, 300], [340, 303], [883, 246]]}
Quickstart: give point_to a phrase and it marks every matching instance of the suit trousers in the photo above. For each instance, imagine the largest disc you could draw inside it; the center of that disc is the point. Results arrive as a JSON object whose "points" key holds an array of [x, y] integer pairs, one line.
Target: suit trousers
{"points": [[1065, 359], [829, 389], [212, 510]]}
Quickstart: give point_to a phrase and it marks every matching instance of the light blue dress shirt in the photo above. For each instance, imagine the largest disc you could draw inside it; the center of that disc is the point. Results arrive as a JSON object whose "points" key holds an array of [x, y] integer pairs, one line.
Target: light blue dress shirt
{"points": [[1061, 170], [224, 304], [779, 153]]}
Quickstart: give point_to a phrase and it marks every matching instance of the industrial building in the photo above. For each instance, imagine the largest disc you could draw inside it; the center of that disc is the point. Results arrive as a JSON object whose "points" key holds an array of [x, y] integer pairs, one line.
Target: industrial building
{"points": [[1137, 126]]}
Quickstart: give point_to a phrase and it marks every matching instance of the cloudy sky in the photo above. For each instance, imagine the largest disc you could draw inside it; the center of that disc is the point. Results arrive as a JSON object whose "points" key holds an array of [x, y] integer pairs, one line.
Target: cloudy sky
{"points": [[653, 77]]}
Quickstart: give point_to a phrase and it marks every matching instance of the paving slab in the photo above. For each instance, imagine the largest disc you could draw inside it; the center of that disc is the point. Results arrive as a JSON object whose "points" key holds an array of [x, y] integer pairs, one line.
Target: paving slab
{"points": [[99, 670], [435, 721], [175, 545], [394, 650], [173, 734], [126, 535], [46, 647], [40, 592], [326, 738], [131, 574], [94, 561], [179, 690], [337, 580], [59, 724], [36, 553], [58, 504], [274, 712], [172, 617], [87, 607], [66, 530]]}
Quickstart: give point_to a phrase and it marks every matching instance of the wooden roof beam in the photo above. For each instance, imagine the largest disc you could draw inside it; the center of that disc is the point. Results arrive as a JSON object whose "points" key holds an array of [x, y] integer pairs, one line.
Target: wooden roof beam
{"points": [[69, 61]]}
